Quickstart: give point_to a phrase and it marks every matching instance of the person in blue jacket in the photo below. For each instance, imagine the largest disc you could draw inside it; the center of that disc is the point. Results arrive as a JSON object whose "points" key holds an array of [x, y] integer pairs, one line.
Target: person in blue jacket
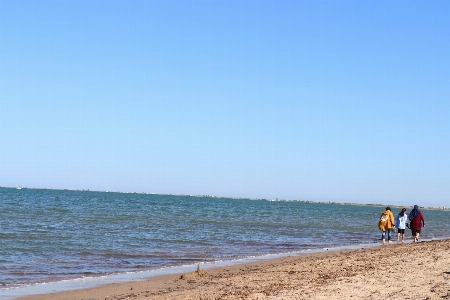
{"points": [[400, 224]]}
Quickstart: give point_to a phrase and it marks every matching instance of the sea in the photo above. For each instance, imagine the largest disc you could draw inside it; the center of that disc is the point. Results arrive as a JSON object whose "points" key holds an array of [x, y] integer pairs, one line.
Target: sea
{"points": [[55, 240]]}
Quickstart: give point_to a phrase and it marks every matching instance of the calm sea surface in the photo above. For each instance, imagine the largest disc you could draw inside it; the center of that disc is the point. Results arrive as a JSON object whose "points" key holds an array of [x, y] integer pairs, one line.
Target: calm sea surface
{"points": [[48, 235]]}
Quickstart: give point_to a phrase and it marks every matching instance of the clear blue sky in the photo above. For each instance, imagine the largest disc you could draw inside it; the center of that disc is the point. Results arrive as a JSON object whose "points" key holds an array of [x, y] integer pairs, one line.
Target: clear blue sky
{"points": [[321, 100]]}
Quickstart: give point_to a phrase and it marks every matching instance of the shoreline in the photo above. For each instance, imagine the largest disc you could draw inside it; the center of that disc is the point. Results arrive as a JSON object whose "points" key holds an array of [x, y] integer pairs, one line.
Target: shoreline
{"points": [[85, 283], [360, 272]]}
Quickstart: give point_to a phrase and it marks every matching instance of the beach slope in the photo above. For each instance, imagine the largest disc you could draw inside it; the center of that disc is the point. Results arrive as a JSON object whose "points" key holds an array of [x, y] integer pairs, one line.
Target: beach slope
{"points": [[410, 271]]}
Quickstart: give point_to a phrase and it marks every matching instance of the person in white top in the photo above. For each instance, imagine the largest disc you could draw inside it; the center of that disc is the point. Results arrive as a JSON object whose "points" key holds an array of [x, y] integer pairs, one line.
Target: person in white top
{"points": [[400, 223]]}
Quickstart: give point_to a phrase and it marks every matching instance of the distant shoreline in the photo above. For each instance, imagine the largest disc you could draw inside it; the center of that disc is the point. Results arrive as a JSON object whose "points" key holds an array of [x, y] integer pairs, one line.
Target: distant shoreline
{"points": [[233, 198]]}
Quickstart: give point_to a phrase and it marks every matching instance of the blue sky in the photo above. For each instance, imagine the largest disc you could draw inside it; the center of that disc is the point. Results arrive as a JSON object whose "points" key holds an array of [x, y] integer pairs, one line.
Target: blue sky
{"points": [[343, 101]]}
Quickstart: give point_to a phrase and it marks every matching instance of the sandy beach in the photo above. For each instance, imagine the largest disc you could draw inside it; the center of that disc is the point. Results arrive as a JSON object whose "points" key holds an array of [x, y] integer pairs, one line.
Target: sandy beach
{"points": [[409, 271]]}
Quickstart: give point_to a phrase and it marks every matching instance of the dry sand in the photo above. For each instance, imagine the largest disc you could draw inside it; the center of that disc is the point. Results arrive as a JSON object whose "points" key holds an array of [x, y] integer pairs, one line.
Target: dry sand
{"points": [[410, 271]]}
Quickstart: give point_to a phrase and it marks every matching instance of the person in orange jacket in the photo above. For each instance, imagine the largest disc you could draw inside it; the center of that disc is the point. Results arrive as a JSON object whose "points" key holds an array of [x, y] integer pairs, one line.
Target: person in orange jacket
{"points": [[386, 223]]}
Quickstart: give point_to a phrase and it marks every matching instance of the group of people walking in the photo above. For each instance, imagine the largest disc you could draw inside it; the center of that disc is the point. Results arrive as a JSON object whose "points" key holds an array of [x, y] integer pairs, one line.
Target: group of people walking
{"points": [[414, 221]]}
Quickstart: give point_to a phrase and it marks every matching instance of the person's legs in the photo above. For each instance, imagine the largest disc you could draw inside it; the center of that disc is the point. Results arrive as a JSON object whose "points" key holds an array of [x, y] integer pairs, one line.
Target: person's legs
{"points": [[402, 232], [383, 234], [389, 236], [415, 236]]}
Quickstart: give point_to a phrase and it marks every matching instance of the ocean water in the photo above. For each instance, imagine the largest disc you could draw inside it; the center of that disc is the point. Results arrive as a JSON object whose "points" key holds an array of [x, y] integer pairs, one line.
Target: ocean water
{"points": [[53, 235]]}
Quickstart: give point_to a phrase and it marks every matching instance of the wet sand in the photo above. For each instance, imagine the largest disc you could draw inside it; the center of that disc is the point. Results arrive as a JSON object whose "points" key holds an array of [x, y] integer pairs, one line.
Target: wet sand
{"points": [[409, 271]]}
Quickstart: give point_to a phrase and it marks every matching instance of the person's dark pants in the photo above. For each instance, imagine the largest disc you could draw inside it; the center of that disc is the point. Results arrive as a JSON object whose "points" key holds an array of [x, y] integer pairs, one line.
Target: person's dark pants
{"points": [[383, 234]]}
